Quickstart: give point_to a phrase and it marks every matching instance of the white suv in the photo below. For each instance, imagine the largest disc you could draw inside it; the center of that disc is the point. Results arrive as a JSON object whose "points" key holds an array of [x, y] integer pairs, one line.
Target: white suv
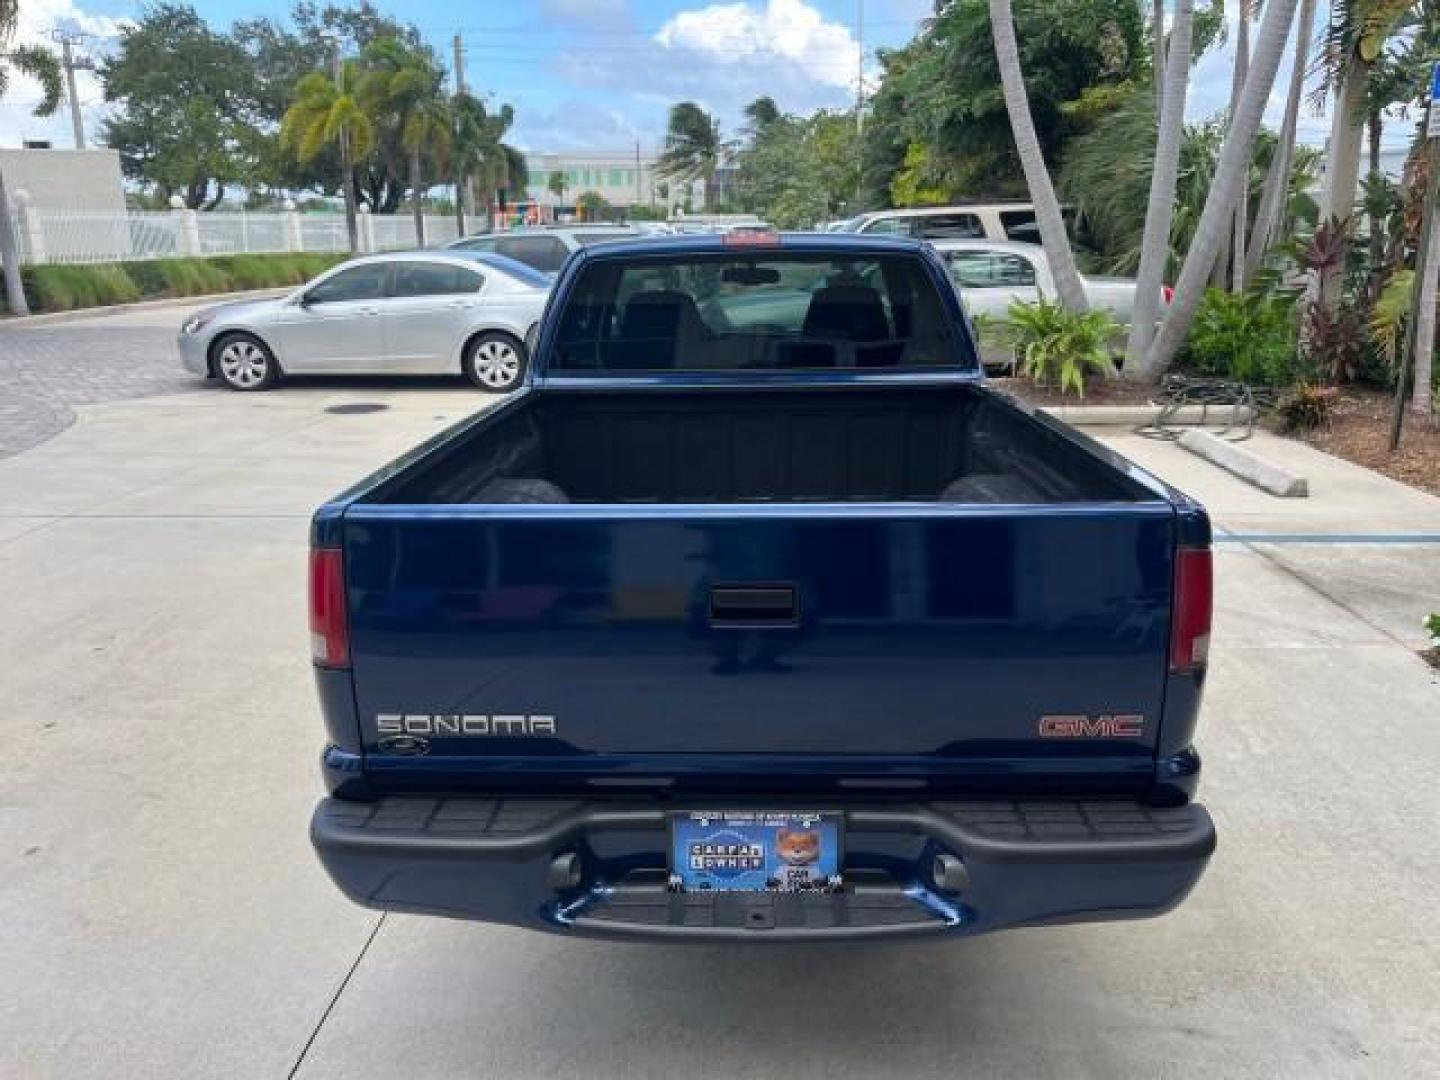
{"points": [[975, 221], [544, 249]]}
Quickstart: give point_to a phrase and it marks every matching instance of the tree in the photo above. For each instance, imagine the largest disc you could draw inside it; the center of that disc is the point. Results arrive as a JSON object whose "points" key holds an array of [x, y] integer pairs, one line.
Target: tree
{"points": [[403, 87], [557, 184], [328, 114], [942, 93], [180, 119], [41, 66], [476, 152], [1032, 161], [1277, 179], [1232, 174], [797, 171], [593, 206], [693, 150], [761, 112], [1160, 212], [279, 56]]}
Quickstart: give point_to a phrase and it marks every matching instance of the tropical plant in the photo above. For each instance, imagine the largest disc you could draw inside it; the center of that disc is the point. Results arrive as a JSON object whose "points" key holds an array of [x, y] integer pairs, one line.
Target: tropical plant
{"points": [[404, 87], [796, 171], [1248, 337], [693, 150], [557, 184], [1160, 210], [1432, 627], [1333, 331], [1053, 237], [592, 206], [1231, 181], [1389, 315], [45, 69], [1306, 407], [1057, 346], [327, 113]]}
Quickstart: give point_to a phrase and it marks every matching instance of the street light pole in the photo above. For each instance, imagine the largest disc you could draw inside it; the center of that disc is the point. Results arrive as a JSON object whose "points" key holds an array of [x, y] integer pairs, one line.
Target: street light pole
{"points": [[66, 40]]}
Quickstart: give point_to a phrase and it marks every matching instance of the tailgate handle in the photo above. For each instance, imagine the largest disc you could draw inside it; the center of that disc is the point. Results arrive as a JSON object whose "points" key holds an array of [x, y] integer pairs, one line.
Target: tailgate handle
{"points": [[754, 605]]}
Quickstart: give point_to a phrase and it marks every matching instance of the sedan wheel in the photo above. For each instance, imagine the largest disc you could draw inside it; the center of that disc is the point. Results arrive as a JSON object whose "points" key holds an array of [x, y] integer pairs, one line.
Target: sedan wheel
{"points": [[243, 363], [495, 362]]}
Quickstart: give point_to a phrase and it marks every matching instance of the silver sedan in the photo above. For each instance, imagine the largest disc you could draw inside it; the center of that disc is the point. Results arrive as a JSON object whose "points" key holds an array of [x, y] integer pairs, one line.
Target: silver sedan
{"points": [[417, 313]]}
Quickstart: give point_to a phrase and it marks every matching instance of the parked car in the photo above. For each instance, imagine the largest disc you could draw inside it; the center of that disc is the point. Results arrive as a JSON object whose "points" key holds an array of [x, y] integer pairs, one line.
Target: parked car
{"points": [[970, 221], [762, 627], [991, 275], [543, 249], [414, 313]]}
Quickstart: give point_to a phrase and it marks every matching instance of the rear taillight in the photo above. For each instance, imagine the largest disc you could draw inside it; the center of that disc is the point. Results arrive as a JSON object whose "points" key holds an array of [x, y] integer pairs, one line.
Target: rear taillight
{"points": [[329, 636], [1190, 622], [1166, 295]]}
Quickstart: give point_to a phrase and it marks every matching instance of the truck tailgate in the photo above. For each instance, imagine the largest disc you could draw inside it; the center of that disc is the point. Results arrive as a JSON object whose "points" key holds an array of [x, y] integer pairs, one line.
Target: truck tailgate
{"points": [[938, 640]]}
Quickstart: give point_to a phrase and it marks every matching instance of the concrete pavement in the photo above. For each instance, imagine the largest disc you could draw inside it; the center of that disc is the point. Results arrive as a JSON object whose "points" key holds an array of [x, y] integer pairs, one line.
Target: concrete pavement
{"points": [[161, 913]]}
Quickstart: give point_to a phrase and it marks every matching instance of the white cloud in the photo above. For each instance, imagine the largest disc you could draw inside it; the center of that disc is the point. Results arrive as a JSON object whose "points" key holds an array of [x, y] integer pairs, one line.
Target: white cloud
{"points": [[788, 31], [723, 56], [37, 19]]}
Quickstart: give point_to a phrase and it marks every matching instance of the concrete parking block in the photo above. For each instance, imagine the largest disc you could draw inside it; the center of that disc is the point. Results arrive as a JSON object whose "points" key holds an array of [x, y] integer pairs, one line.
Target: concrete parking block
{"points": [[1248, 466]]}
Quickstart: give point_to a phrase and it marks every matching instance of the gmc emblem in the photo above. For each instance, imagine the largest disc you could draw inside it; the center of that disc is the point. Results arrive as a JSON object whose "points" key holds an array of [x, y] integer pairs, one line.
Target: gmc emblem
{"points": [[1104, 726]]}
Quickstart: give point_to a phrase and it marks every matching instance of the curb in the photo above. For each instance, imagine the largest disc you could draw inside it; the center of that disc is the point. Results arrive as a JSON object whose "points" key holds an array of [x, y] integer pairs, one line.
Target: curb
{"points": [[1248, 466], [139, 305], [1144, 415]]}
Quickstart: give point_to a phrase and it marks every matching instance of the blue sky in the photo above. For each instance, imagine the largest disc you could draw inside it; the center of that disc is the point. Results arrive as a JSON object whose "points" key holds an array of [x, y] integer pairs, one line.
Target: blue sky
{"points": [[600, 74]]}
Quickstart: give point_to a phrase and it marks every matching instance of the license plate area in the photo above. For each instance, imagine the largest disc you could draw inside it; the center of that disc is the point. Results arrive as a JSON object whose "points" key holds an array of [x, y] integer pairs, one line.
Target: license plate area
{"points": [[756, 851]]}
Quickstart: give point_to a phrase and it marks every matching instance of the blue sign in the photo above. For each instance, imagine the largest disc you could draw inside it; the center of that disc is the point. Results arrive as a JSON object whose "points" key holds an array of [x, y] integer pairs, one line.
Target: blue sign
{"points": [[754, 851], [1432, 128], [1435, 82]]}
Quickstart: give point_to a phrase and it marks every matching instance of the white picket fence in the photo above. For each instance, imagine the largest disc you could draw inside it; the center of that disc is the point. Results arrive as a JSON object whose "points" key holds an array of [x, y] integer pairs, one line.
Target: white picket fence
{"points": [[77, 236]]}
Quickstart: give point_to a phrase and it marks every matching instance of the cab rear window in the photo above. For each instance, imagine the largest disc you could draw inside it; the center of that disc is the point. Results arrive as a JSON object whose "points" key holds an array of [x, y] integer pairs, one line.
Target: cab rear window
{"points": [[756, 312]]}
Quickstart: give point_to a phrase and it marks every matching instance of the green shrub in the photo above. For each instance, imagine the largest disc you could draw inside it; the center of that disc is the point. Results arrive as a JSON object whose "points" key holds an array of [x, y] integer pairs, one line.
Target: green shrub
{"points": [[59, 287], [1058, 347], [1249, 338]]}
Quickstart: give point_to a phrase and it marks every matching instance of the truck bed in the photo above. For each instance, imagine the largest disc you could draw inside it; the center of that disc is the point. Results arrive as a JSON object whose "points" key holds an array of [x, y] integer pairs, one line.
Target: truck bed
{"points": [[799, 445]]}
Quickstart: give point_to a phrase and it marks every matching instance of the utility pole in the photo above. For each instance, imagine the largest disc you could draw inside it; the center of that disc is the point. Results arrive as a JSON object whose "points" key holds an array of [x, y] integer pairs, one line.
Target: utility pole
{"points": [[1420, 328], [347, 171], [637, 172], [67, 40], [464, 194], [859, 101]]}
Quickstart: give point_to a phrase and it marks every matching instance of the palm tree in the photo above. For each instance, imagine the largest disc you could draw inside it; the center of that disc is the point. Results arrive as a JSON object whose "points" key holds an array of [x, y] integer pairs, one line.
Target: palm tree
{"points": [[1160, 214], [1032, 161], [557, 184], [1242, 204], [327, 113], [693, 150], [1277, 180], [43, 67], [1231, 177], [404, 85]]}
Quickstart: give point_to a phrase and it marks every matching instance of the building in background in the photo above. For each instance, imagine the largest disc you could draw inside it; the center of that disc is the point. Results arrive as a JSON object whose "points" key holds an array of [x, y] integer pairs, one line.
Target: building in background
{"points": [[82, 180], [623, 178]]}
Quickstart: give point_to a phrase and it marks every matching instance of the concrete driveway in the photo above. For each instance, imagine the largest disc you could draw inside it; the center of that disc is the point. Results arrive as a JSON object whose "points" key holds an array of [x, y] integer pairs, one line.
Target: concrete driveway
{"points": [[161, 913]]}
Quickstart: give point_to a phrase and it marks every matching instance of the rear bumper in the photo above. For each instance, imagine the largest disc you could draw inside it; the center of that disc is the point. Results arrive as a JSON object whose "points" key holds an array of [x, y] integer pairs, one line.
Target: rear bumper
{"points": [[598, 869]]}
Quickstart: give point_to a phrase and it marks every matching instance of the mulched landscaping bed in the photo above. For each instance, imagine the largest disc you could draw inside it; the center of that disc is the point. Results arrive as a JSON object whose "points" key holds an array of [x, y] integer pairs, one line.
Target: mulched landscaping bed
{"points": [[1097, 392], [1360, 432]]}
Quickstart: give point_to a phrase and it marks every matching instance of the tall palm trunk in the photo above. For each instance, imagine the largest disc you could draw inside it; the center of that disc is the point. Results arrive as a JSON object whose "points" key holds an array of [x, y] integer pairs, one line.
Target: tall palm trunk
{"points": [[1347, 134], [10, 257], [461, 200], [1155, 248], [1157, 46], [1242, 204], [1230, 177], [1422, 401], [416, 209], [1274, 195], [1037, 178], [347, 183]]}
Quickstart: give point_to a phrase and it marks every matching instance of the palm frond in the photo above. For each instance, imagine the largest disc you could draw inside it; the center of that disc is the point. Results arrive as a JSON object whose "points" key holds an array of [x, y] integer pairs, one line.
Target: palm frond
{"points": [[44, 67]]}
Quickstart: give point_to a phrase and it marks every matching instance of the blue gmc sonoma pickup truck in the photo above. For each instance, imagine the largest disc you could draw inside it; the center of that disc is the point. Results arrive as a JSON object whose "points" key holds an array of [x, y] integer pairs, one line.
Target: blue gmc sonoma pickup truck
{"points": [[757, 616]]}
